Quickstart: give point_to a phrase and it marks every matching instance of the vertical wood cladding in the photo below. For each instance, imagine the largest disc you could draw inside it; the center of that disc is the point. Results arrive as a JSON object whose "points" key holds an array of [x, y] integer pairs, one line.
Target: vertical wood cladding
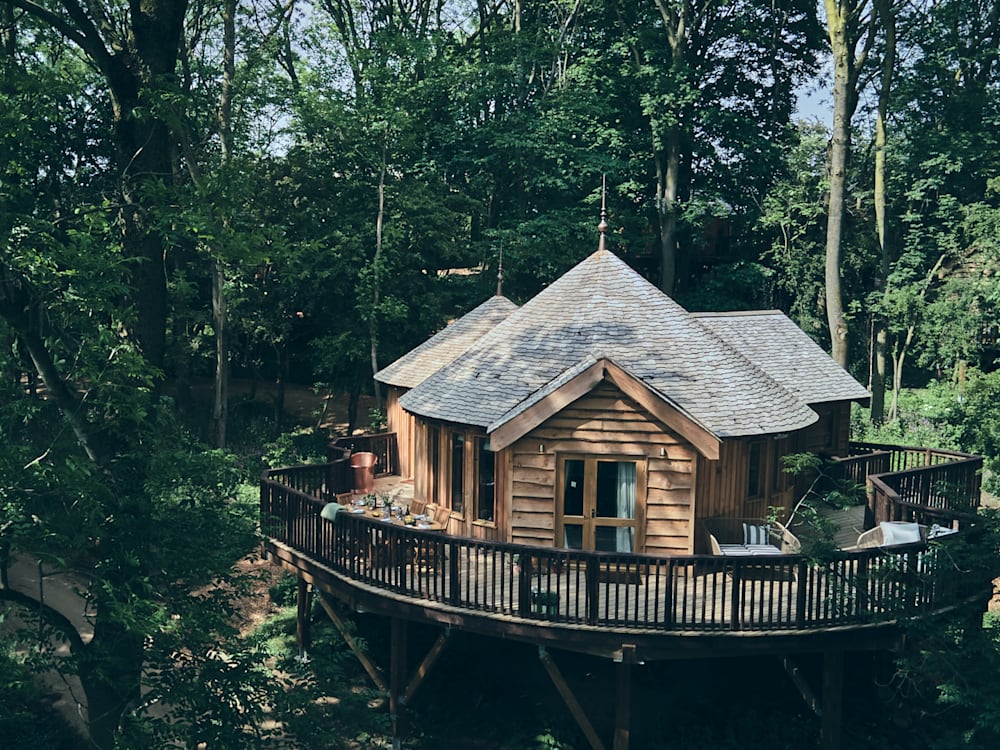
{"points": [[723, 487], [604, 422], [403, 424]]}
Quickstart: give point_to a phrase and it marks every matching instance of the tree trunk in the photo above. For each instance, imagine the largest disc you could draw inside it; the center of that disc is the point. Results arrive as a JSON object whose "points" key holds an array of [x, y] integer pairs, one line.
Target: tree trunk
{"points": [[888, 15], [668, 178], [839, 148], [898, 358], [376, 276], [220, 400], [110, 673], [220, 405], [281, 350], [668, 161], [143, 146]]}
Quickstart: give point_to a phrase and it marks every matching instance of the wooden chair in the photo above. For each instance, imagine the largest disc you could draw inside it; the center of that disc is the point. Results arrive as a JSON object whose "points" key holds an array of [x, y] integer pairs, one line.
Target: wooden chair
{"points": [[418, 507], [442, 516]]}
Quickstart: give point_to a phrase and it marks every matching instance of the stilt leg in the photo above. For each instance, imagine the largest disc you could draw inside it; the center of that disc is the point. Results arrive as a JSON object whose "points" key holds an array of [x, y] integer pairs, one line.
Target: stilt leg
{"points": [[397, 681], [833, 700], [623, 701], [303, 615]]}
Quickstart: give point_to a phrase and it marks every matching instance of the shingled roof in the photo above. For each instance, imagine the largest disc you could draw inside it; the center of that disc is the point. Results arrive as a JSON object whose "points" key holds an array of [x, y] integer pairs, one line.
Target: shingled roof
{"points": [[447, 344], [603, 310], [784, 351]]}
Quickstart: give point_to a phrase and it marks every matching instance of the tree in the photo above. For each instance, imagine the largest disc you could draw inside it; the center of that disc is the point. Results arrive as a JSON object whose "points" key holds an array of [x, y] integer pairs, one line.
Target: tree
{"points": [[103, 480], [715, 119], [135, 50], [887, 13], [851, 25]]}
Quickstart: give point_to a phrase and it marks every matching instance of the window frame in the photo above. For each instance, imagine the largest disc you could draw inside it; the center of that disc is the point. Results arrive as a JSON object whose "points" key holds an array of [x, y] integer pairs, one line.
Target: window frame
{"points": [[479, 441], [590, 461]]}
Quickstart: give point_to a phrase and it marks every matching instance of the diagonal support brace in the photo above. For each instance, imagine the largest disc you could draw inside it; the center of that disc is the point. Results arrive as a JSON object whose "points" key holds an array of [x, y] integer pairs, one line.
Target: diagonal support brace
{"points": [[571, 702], [362, 657]]}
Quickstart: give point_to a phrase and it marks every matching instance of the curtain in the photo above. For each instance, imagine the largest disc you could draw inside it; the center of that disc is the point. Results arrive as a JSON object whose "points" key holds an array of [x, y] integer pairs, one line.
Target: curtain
{"points": [[626, 505]]}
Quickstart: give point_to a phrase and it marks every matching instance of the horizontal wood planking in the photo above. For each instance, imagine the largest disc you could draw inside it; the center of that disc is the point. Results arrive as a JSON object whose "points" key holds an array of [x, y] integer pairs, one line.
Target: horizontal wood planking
{"points": [[604, 422]]}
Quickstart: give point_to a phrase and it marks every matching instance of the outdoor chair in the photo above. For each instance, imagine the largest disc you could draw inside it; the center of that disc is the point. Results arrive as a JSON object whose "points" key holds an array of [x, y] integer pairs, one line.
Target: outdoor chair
{"points": [[889, 533], [442, 516]]}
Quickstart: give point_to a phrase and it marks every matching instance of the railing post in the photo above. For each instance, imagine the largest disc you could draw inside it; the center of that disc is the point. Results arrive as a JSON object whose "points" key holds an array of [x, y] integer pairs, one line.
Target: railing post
{"points": [[668, 604], [800, 594], [524, 585], [736, 610], [593, 603], [911, 579], [861, 586], [455, 585]]}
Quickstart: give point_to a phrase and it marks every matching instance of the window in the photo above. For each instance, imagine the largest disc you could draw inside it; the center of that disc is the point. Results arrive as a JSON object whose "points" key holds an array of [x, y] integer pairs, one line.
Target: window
{"points": [[486, 480], [598, 508], [756, 470], [779, 477], [434, 461], [457, 471]]}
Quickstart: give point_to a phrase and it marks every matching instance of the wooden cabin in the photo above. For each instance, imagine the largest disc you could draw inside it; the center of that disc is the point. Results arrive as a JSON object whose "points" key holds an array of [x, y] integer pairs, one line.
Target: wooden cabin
{"points": [[601, 415]]}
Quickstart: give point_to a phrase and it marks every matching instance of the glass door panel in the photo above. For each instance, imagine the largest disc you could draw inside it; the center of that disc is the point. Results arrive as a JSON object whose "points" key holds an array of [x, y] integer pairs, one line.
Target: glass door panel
{"points": [[599, 504], [573, 535]]}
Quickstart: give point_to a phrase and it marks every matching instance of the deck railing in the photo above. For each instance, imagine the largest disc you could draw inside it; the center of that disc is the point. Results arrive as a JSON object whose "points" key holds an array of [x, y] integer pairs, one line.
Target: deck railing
{"points": [[917, 484], [670, 593]]}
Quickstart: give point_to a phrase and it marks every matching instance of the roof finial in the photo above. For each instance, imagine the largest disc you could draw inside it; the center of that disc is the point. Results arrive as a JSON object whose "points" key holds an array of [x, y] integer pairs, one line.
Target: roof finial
{"points": [[603, 226], [500, 271]]}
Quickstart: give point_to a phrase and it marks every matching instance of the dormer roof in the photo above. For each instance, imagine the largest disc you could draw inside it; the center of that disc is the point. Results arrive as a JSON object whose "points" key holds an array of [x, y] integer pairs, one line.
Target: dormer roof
{"points": [[446, 345]]}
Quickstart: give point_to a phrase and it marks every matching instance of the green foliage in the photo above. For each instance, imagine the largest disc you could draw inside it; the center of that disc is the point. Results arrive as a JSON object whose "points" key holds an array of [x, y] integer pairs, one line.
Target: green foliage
{"points": [[737, 286], [948, 672], [305, 445], [944, 415], [25, 718], [975, 415], [284, 592], [828, 488]]}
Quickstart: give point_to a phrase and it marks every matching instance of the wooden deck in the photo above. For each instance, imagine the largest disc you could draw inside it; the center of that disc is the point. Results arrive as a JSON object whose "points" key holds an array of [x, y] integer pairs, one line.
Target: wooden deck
{"points": [[626, 593], [632, 608]]}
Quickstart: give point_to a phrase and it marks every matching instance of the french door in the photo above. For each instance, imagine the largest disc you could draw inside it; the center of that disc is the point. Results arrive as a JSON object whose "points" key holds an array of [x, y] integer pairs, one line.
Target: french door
{"points": [[599, 502]]}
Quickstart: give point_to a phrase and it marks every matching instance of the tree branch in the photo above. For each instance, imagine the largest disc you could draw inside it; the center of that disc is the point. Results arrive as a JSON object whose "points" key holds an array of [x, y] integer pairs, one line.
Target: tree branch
{"points": [[91, 44], [51, 616]]}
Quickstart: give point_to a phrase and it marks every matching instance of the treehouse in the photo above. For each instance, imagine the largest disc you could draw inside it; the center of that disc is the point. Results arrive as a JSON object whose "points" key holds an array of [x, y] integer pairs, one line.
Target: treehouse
{"points": [[603, 416], [601, 463]]}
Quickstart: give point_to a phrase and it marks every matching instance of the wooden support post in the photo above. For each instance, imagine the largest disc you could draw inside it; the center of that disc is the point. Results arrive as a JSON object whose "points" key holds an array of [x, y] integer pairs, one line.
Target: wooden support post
{"points": [[397, 678], [575, 709], [362, 657], [795, 674], [425, 666], [833, 700], [303, 615], [623, 698]]}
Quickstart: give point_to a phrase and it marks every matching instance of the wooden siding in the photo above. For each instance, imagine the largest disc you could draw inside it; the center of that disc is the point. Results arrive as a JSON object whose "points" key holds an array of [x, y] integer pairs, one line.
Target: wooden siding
{"points": [[403, 424], [604, 422], [828, 435], [722, 488], [723, 485]]}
